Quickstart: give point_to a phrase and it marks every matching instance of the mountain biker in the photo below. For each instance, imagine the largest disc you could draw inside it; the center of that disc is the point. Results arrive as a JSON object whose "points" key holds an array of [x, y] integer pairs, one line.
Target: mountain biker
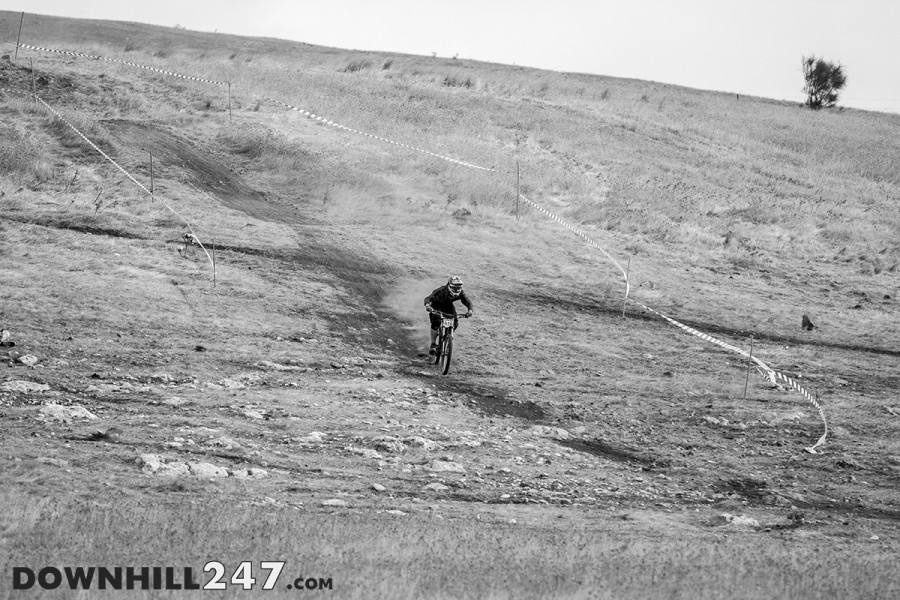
{"points": [[441, 300]]}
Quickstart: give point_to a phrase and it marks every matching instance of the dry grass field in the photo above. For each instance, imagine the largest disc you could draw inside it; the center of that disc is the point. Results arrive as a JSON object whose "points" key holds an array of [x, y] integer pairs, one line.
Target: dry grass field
{"points": [[285, 411]]}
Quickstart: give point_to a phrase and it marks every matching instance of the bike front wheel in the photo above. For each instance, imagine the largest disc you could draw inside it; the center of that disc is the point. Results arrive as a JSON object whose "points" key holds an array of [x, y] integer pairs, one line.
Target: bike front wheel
{"points": [[446, 351]]}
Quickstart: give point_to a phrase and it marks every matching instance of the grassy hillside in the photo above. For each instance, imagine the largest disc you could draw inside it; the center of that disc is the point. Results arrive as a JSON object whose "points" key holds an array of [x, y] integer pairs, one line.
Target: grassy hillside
{"points": [[738, 216]]}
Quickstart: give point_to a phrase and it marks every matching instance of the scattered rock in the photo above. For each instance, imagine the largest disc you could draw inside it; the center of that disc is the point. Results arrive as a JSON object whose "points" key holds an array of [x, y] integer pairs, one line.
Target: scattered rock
{"points": [[378, 487], [113, 434], [442, 466], [57, 412], [204, 469], [735, 521], [174, 469], [223, 442], [366, 453], [387, 443], [436, 487], [154, 464], [807, 324], [56, 462], [551, 432], [742, 522], [29, 360], [149, 463], [396, 512], [252, 414], [24, 387], [252, 473], [176, 402], [420, 442], [335, 502], [230, 384], [277, 367], [314, 437]]}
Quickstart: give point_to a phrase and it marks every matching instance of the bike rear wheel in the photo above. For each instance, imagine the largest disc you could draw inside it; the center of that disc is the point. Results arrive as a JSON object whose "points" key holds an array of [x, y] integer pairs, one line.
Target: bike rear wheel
{"points": [[446, 351]]}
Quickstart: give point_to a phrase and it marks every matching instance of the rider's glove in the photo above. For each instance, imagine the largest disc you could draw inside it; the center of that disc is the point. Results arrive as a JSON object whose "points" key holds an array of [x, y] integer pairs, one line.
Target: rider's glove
{"points": [[469, 313], [428, 308]]}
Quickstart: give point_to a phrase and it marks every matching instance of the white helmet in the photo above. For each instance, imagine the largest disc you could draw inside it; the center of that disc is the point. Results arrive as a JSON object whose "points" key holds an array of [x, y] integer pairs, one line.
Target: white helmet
{"points": [[455, 285]]}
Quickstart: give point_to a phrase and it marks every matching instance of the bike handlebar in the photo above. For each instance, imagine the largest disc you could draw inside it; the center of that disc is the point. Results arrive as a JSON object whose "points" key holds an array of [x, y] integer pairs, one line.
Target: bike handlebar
{"points": [[449, 316]]}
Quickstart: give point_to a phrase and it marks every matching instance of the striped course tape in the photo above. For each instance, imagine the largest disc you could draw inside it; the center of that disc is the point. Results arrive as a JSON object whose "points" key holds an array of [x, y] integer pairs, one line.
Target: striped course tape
{"points": [[306, 113], [124, 62], [325, 121], [119, 167], [769, 373]]}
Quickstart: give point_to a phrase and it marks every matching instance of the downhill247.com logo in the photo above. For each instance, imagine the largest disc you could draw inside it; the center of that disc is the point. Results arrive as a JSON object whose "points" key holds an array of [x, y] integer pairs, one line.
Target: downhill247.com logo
{"points": [[161, 578]]}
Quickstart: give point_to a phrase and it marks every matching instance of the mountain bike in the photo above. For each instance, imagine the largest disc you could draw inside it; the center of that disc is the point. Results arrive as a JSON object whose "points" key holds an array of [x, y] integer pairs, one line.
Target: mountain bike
{"points": [[444, 351]]}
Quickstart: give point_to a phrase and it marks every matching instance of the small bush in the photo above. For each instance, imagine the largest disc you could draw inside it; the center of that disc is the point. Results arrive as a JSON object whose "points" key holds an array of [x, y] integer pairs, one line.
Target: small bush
{"points": [[23, 162], [165, 51], [387, 64], [357, 65], [453, 81]]}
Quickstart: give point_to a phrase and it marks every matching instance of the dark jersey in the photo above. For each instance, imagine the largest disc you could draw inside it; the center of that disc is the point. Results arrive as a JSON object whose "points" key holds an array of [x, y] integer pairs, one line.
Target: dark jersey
{"points": [[441, 300]]}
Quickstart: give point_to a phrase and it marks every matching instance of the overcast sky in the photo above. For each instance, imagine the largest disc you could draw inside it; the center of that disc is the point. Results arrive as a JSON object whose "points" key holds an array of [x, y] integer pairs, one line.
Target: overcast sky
{"points": [[749, 46]]}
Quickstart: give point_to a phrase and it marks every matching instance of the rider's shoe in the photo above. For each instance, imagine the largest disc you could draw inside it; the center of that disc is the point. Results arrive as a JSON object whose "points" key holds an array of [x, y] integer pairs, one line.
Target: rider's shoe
{"points": [[433, 350]]}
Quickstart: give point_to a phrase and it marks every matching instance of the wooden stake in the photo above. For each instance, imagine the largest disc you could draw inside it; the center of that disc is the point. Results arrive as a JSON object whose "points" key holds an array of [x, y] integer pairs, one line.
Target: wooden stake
{"points": [[33, 84], [214, 260], [229, 101], [749, 366], [71, 182], [517, 190], [625, 299], [150, 152], [22, 20]]}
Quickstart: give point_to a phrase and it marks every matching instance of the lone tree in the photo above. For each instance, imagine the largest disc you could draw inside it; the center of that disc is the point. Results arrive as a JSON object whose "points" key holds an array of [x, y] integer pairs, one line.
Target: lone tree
{"points": [[823, 81]]}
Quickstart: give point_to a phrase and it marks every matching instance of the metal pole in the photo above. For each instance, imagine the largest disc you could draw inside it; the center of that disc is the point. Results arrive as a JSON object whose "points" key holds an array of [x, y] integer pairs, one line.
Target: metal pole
{"points": [[517, 190], [749, 365], [150, 152], [627, 271], [229, 101], [22, 20]]}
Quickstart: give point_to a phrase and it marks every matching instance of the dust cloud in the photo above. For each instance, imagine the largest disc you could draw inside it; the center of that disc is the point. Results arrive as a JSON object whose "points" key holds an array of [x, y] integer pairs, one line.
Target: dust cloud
{"points": [[407, 299]]}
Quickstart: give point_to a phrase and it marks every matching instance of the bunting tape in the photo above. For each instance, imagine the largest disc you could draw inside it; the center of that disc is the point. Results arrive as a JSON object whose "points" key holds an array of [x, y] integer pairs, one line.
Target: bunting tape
{"points": [[123, 170], [306, 113], [124, 62], [768, 372], [772, 375]]}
